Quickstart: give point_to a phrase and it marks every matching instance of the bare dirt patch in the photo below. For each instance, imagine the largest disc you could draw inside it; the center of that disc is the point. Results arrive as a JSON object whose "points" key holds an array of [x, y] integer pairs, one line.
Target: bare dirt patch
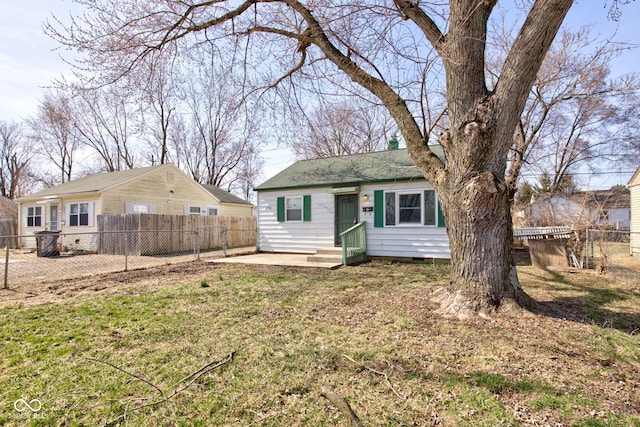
{"points": [[132, 281]]}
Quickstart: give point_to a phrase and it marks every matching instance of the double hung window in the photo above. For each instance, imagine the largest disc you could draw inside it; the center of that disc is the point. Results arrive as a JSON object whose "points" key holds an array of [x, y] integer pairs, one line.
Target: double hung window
{"points": [[410, 208], [78, 214], [34, 216]]}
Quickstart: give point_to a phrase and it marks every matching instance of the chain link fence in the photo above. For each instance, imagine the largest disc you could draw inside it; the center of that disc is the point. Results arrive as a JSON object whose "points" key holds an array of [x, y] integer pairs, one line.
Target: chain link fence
{"points": [[62, 256], [610, 251]]}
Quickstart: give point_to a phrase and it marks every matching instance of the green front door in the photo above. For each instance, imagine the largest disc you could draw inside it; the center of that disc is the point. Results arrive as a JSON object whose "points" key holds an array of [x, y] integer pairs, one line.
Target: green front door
{"points": [[346, 213]]}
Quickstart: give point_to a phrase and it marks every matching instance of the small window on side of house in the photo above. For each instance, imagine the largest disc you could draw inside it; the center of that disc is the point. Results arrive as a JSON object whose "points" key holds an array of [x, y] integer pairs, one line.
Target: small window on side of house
{"points": [[34, 216], [294, 209]]}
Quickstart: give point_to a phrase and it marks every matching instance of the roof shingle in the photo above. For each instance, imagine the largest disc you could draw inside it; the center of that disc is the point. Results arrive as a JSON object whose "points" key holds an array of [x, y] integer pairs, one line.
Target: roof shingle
{"points": [[381, 166]]}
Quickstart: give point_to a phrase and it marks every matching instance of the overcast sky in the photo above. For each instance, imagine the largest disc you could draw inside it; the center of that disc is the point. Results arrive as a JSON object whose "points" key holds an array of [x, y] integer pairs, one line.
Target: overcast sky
{"points": [[29, 60]]}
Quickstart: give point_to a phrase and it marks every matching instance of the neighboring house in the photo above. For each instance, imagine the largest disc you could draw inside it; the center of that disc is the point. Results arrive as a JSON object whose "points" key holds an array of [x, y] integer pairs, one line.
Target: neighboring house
{"points": [[164, 189], [306, 206], [634, 188], [602, 208]]}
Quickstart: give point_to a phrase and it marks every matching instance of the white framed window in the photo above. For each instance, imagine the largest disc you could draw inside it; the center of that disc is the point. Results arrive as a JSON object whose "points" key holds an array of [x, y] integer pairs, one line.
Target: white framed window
{"points": [[195, 210], [293, 208], [140, 208], [212, 210], [80, 214], [33, 216], [410, 208]]}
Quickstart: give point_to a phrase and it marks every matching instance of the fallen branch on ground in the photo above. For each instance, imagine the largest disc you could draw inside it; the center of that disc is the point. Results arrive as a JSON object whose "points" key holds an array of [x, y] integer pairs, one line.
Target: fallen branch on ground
{"points": [[342, 405], [386, 377], [177, 387]]}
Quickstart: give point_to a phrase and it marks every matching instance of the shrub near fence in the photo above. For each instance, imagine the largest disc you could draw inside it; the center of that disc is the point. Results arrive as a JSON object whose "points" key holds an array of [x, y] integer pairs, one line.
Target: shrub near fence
{"points": [[161, 234]]}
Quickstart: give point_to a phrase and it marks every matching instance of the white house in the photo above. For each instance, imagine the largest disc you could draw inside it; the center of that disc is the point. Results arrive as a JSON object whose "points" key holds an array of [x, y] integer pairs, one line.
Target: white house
{"points": [[601, 208], [306, 206]]}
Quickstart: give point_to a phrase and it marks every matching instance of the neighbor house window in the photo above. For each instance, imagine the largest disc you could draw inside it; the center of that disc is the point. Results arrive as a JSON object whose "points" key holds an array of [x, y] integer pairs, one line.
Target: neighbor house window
{"points": [[78, 214], [195, 210], [294, 209], [410, 208], [212, 211], [34, 216], [140, 209]]}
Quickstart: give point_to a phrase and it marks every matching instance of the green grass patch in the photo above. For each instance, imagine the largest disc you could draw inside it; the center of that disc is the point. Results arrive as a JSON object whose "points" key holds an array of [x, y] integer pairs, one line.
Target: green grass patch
{"points": [[158, 352]]}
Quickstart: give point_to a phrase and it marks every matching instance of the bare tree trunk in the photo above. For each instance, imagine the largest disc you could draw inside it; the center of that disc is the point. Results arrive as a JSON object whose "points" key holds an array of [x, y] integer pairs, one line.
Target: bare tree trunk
{"points": [[483, 275]]}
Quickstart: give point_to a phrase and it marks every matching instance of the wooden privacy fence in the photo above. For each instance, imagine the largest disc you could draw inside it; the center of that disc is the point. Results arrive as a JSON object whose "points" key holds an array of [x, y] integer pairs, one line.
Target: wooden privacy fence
{"points": [[8, 231], [153, 234]]}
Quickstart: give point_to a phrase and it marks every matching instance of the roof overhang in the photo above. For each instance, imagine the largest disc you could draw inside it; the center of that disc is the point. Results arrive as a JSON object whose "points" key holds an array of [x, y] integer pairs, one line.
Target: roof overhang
{"points": [[345, 190]]}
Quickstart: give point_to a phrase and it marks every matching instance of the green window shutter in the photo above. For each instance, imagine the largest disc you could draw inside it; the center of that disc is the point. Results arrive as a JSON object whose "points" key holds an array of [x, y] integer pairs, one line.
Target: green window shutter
{"points": [[440, 215], [280, 209], [306, 207], [378, 208]]}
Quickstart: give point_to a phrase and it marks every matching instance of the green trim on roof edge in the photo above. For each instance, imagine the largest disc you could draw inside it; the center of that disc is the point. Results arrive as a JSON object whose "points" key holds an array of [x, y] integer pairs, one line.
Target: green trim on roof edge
{"points": [[341, 184]]}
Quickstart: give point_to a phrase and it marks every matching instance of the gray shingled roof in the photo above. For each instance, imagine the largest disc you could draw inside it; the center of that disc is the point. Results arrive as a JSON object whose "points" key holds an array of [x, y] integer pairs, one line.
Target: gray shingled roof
{"points": [[381, 166], [93, 183], [224, 196]]}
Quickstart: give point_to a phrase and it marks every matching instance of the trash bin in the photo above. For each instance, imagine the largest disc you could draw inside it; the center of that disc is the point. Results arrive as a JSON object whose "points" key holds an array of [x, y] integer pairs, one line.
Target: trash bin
{"points": [[47, 243]]}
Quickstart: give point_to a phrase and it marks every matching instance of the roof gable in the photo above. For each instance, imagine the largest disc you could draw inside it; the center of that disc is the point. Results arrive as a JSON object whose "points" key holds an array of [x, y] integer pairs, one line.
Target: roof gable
{"points": [[635, 179], [595, 199], [224, 196], [95, 183], [604, 199], [381, 166]]}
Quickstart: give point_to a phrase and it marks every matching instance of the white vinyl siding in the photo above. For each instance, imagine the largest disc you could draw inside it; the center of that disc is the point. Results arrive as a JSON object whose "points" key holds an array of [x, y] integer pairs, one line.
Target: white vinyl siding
{"points": [[420, 241], [635, 217], [413, 242], [299, 236]]}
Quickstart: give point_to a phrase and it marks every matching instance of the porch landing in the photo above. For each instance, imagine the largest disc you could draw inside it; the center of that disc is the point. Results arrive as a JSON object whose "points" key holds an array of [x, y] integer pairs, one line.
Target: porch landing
{"points": [[278, 259]]}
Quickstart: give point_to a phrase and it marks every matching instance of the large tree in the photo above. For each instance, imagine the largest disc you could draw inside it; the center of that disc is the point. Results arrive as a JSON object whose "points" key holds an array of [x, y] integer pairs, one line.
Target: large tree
{"points": [[387, 49], [53, 129], [574, 116], [103, 121], [15, 156], [344, 128]]}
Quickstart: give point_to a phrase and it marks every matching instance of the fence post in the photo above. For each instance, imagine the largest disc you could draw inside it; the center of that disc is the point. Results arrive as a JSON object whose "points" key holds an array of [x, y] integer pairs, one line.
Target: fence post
{"points": [[6, 267], [224, 241], [126, 251], [588, 245], [196, 243]]}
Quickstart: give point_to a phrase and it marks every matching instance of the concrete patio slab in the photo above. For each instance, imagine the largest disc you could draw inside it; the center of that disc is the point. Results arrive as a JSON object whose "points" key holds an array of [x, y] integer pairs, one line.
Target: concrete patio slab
{"points": [[279, 259]]}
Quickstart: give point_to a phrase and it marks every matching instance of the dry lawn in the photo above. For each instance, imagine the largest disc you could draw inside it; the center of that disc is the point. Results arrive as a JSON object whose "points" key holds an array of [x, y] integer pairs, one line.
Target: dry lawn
{"points": [[125, 349]]}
